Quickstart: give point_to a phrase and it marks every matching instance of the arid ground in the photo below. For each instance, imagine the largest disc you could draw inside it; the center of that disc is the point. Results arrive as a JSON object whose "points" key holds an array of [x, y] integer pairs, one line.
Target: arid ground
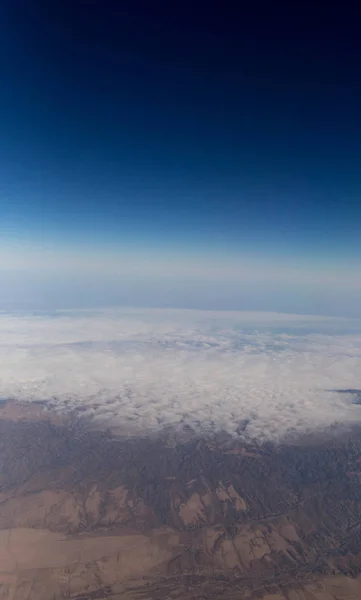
{"points": [[85, 514]]}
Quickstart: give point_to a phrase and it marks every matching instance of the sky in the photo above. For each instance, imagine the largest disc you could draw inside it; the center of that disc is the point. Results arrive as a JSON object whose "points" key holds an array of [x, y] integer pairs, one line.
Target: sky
{"points": [[171, 155]]}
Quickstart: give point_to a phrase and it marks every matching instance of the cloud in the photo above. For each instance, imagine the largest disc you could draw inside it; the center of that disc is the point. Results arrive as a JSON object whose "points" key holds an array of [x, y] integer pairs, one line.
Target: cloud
{"points": [[144, 370]]}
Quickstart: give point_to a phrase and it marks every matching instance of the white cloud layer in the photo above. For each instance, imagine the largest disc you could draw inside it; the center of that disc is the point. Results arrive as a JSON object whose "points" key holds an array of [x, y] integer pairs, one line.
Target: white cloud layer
{"points": [[144, 370]]}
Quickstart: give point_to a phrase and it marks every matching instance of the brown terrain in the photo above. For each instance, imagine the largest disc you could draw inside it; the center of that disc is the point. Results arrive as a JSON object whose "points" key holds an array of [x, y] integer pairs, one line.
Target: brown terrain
{"points": [[86, 515]]}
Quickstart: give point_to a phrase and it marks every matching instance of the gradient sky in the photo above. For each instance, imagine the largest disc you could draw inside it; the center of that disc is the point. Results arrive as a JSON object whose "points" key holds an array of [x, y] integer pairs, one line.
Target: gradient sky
{"points": [[164, 155]]}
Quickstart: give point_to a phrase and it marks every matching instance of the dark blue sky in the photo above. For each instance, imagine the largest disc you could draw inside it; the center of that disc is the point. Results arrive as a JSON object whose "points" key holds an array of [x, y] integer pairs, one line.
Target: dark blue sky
{"points": [[182, 126]]}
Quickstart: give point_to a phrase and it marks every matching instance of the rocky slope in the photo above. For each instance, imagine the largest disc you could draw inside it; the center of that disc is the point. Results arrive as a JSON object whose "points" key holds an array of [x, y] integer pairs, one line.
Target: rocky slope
{"points": [[86, 515]]}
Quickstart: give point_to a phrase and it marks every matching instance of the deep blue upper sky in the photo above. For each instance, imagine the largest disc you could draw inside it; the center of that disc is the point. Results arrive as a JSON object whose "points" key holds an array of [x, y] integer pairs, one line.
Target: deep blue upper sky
{"points": [[182, 125]]}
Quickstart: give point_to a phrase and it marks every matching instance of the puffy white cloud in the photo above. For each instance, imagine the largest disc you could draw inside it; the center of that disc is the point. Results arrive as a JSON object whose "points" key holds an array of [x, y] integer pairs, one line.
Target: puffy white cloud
{"points": [[144, 370]]}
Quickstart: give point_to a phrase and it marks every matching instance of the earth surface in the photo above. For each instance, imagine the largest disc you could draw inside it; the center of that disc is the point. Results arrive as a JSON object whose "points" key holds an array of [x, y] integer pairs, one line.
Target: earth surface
{"points": [[87, 514]]}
